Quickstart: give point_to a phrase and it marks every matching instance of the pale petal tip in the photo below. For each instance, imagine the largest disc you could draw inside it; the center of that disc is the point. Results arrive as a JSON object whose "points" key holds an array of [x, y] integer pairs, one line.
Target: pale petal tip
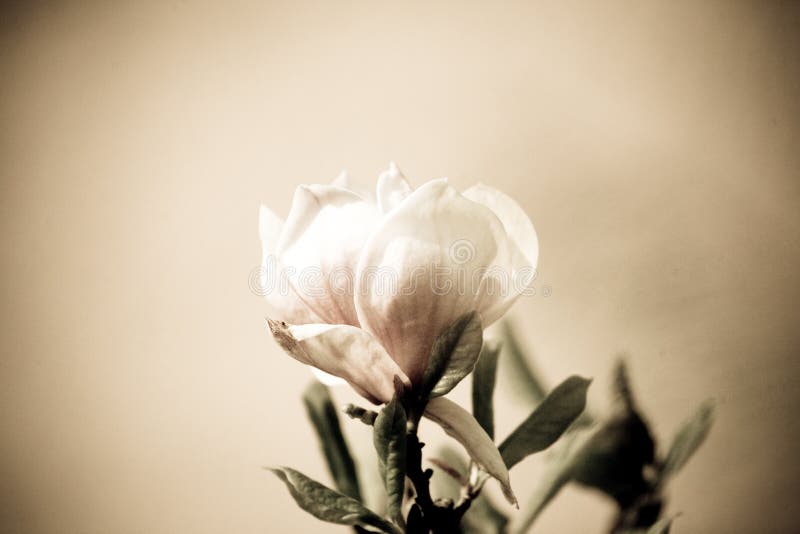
{"points": [[393, 171], [303, 195], [307, 195], [342, 180], [265, 214]]}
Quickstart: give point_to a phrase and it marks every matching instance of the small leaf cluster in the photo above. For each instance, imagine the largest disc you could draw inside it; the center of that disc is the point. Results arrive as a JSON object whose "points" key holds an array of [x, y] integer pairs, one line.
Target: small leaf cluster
{"points": [[616, 455]]}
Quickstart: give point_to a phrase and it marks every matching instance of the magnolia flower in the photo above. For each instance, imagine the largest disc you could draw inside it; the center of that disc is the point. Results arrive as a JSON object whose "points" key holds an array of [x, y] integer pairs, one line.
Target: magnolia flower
{"points": [[364, 283], [367, 283]]}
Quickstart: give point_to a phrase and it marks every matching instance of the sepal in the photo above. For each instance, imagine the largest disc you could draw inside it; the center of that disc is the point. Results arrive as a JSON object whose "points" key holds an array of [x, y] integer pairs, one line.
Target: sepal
{"points": [[453, 356]]}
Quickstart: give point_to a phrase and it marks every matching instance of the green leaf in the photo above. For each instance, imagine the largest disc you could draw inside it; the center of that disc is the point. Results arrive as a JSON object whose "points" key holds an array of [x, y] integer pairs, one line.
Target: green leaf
{"points": [[323, 416], [483, 381], [453, 355], [389, 437], [688, 439], [547, 422], [523, 379], [329, 505]]}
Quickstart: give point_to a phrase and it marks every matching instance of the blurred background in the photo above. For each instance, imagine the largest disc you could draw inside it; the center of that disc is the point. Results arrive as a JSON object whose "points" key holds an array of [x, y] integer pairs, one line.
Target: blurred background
{"points": [[654, 145]]}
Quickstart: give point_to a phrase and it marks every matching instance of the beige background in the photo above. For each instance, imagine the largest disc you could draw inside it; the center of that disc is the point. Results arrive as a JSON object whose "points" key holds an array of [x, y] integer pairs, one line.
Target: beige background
{"points": [[654, 144]]}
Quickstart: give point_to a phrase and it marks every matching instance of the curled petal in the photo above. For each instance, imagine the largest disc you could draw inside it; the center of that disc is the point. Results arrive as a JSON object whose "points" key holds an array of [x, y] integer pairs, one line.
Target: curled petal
{"points": [[392, 188], [320, 245], [522, 243], [344, 351], [461, 426], [424, 267], [272, 281]]}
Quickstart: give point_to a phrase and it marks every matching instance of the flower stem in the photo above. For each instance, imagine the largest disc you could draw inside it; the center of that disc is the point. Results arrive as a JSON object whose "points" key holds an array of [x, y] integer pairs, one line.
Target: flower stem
{"points": [[436, 518]]}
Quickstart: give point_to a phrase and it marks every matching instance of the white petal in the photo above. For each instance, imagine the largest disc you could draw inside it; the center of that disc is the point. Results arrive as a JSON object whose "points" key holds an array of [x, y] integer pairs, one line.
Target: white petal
{"points": [[392, 188], [344, 351], [271, 281], [422, 268], [269, 229], [327, 378], [345, 181], [342, 180], [320, 245], [461, 426], [523, 243], [516, 222]]}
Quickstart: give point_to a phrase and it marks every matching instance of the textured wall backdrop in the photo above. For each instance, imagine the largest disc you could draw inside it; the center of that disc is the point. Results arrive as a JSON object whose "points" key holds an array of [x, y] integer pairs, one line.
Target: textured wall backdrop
{"points": [[654, 144]]}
